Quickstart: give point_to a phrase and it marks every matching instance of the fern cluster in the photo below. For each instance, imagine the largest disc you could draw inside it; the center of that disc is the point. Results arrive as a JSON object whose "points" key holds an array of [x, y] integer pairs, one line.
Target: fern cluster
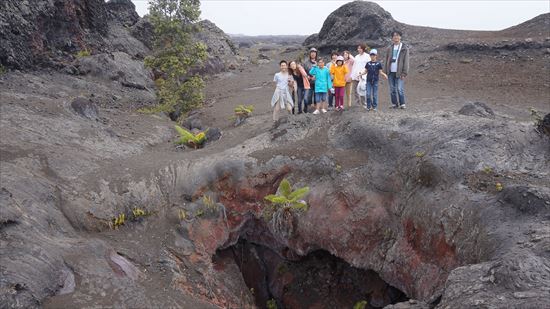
{"points": [[190, 139], [287, 198]]}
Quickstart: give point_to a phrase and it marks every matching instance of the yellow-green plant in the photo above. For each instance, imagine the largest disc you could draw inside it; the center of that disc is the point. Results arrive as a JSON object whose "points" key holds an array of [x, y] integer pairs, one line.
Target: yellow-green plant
{"points": [[420, 154], [360, 304], [271, 304], [487, 170], [83, 53], [208, 202], [2, 69], [190, 139], [498, 187], [138, 212], [280, 212], [182, 215], [287, 198], [244, 111], [118, 221]]}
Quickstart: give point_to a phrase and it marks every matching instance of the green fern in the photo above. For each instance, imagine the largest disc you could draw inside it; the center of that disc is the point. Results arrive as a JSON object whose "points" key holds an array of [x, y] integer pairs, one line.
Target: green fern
{"points": [[244, 111], [288, 198], [83, 53], [188, 138], [360, 305]]}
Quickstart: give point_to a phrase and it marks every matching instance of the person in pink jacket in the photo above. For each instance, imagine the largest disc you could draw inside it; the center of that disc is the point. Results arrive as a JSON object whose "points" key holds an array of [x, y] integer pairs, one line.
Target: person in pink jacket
{"points": [[348, 62]]}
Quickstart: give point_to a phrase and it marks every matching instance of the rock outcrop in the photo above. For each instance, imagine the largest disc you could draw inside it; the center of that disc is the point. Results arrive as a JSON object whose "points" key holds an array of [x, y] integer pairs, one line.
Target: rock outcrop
{"points": [[221, 49], [352, 24]]}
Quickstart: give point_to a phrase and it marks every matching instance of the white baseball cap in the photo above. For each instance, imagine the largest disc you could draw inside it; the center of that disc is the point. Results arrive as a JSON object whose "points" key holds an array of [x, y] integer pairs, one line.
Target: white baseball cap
{"points": [[373, 52], [339, 58]]}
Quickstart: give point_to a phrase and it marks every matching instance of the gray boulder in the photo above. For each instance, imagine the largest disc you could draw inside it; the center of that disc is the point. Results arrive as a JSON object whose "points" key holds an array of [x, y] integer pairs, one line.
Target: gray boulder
{"points": [[478, 109], [221, 50], [354, 23], [117, 66]]}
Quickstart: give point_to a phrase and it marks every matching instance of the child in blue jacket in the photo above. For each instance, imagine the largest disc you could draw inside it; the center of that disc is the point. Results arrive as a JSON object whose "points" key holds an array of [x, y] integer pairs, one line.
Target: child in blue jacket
{"points": [[323, 84]]}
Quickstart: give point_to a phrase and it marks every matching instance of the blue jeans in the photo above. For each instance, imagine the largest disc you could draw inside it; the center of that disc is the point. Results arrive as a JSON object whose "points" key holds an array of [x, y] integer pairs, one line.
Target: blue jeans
{"points": [[372, 91], [301, 95], [397, 88], [309, 97]]}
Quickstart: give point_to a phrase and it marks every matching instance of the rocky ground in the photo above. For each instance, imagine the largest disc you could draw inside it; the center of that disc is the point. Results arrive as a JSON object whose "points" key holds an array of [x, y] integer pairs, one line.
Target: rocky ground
{"points": [[404, 202]]}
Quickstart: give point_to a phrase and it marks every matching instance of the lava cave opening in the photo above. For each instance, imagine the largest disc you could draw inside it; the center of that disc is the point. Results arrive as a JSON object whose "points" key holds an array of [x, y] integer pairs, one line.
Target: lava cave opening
{"points": [[317, 280]]}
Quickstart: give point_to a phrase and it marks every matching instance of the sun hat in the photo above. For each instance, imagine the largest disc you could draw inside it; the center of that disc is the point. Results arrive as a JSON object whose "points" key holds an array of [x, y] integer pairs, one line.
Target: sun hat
{"points": [[313, 49], [373, 52]]}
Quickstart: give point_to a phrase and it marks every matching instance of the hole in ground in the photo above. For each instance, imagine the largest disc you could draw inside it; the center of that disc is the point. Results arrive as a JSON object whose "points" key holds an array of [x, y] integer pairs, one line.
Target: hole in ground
{"points": [[318, 280]]}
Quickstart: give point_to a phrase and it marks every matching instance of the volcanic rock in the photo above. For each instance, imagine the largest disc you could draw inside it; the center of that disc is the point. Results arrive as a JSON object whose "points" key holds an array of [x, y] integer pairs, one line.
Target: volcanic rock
{"points": [[352, 24]]}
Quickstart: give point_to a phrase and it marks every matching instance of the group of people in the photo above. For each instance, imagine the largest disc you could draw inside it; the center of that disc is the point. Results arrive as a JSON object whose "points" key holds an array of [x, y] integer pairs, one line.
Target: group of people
{"points": [[343, 81]]}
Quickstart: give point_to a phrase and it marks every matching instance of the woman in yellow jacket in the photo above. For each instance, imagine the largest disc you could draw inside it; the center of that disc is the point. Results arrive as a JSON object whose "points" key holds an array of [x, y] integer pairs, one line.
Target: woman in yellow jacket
{"points": [[338, 73]]}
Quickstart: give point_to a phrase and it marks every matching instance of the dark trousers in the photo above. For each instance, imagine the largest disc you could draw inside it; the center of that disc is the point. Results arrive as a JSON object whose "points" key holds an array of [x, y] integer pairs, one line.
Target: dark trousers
{"points": [[309, 97], [299, 100]]}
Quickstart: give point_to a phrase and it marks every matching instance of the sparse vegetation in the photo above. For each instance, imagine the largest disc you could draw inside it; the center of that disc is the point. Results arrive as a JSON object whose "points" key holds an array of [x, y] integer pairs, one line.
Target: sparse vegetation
{"points": [[138, 212], [420, 154], [118, 221], [360, 305], [498, 187], [244, 111], [83, 53], [487, 170], [182, 215], [282, 205], [190, 139], [175, 54], [271, 304], [2, 69]]}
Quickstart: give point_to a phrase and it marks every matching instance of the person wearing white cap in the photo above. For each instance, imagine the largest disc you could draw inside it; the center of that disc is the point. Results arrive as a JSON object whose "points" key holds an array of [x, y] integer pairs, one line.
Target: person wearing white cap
{"points": [[338, 73], [373, 69]]}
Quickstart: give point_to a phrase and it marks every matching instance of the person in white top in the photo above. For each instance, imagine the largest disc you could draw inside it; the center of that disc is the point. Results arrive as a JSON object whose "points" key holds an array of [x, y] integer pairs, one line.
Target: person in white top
{"points": [[359, 63], [281, 97]]}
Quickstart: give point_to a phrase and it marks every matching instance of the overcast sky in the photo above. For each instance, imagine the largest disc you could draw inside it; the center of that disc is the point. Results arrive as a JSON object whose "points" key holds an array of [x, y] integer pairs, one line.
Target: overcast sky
{"points": [[255, 17]]}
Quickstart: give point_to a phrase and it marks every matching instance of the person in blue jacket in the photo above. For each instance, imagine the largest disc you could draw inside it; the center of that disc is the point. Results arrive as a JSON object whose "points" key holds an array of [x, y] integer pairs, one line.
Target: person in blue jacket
{"points": [[323, 84]]}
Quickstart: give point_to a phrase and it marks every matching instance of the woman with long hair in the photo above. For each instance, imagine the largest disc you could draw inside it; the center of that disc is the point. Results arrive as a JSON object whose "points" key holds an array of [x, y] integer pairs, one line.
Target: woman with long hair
{"points": [[300, 83]]}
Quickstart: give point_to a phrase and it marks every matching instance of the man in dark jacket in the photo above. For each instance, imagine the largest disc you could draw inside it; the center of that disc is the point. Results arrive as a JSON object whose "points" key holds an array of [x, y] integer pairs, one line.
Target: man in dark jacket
{"points": [[310, 62], [397, 69]]}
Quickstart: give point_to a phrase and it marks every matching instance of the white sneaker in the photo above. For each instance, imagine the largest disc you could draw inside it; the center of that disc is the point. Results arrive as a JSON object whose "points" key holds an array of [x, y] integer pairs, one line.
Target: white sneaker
{"points": [[316, 112], [324, 110], [403, 106], [375, 109]]}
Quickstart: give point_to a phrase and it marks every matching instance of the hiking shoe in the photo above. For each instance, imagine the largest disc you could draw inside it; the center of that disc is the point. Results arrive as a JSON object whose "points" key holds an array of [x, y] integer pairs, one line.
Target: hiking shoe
{"points": [[403, 106], [324, 110], [316, 112], [394, 106], [375, 109]]}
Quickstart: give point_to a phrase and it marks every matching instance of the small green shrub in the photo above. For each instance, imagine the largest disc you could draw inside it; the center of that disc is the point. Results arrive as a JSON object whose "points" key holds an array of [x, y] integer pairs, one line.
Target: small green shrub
{"points": [[190, 139], [288, 198], [360, 305], [282, 205], [182, 215], [420, 154], [2, 69], [487, 170], [244, 111], [118, 221], [499, 187], [271, 304], [83, 53]]}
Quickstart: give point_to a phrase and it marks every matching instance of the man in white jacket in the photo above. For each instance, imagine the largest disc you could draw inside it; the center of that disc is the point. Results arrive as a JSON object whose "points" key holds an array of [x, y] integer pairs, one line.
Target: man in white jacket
{"points": [[360, 61]]}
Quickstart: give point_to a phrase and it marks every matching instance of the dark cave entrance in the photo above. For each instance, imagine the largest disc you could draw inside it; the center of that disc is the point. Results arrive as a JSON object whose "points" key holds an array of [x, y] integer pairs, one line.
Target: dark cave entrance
{"points": [[318, 280]]}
